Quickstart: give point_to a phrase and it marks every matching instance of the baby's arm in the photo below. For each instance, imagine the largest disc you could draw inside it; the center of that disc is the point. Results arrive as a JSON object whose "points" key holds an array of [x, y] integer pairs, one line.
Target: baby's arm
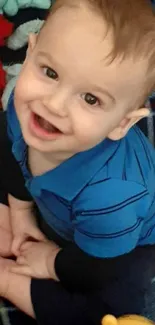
{"points": [[18, 292], [53, 301], [15, 288], [23, 222], [5, 231], [13, 182]]}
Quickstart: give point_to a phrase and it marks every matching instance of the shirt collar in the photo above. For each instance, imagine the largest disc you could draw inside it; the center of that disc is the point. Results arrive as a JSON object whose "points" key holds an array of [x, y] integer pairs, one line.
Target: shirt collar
{"points": [[13, 126], [70, 178]]}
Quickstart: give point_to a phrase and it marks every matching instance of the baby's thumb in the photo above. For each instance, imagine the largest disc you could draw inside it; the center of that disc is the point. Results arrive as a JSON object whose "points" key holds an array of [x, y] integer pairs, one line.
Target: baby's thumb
{"points": [[38, 235], [16, 244]]}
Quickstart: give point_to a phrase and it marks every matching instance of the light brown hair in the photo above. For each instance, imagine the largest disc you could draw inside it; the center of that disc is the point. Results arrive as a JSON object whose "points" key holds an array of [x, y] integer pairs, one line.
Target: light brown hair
{"points": [[132, 23]]}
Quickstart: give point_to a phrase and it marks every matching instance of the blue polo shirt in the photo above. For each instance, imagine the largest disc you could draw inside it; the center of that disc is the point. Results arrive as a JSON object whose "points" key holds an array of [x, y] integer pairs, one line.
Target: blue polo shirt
{"points": [[102, 199]]}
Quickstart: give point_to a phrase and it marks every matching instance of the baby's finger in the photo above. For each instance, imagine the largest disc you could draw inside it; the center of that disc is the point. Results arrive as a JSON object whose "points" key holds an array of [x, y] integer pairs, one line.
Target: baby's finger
{"points": [[17, 242], [38, 235], [21, 269], [26, 245], [21, 260]]}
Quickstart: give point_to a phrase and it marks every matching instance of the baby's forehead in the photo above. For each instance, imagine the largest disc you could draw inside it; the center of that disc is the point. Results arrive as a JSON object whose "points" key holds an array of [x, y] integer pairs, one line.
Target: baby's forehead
{"points": [[80, 32], [74, 39], [90, 52]]}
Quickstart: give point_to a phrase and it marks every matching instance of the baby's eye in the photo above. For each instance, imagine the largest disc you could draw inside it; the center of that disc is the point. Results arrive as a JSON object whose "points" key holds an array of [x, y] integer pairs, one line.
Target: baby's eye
{"points": [[50, 73], [91, 99]]}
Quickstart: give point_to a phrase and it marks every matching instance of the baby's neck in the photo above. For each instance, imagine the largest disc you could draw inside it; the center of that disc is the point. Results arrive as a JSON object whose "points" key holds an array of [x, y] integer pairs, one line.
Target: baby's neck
{"points": [[40, 162]]}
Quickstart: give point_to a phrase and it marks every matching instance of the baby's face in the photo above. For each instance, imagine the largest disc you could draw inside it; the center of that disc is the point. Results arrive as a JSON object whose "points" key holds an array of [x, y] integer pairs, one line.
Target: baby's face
{"points": [[68, 99]]}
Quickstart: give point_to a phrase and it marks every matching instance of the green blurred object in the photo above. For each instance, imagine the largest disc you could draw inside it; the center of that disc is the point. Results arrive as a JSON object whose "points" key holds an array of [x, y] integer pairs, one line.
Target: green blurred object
{"points": [[11, 7]]}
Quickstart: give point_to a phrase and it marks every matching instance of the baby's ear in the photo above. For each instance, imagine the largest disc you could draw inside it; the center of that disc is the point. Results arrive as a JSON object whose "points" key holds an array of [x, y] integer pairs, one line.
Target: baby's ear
{"points": [[109, 320], [31, 43], [125, 125]]}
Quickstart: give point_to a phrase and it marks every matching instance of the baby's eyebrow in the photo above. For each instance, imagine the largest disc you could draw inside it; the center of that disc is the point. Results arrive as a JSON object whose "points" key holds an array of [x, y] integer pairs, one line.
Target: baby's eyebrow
{"points": [[105, 92], [45, 55], [48, 57]]}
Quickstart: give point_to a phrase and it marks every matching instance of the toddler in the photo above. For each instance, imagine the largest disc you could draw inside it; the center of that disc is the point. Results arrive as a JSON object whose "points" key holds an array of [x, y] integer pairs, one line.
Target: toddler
{"points": [[78, 174]]}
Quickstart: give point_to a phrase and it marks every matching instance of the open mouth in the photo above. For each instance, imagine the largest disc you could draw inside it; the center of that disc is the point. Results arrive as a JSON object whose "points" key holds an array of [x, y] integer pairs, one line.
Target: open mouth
{"points": [[45, 125], [42, 128]]}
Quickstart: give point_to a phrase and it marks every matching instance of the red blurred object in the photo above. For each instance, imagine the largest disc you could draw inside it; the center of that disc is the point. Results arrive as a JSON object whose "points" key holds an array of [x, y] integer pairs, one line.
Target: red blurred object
{"points": [[2, 82], [6, 29]]}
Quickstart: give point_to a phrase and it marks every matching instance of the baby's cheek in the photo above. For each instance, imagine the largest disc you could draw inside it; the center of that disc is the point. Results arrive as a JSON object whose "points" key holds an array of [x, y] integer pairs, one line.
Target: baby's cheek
{"points": [[87, 140], [20, 89]]}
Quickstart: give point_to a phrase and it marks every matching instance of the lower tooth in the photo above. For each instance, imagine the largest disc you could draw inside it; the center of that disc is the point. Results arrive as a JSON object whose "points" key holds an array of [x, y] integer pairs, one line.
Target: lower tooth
{"points": [[48, 126]]}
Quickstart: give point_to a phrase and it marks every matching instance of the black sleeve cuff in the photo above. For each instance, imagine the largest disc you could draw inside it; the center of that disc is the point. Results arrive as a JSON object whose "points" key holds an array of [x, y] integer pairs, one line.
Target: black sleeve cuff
{"points": [[4, 197], [54, 305], [74, 269], [79, 271], [11, 178]]}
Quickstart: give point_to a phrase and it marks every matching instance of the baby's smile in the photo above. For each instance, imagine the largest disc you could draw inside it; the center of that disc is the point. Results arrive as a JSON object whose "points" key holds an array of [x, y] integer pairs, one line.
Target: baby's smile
{"points": [[44, 124], [43, 128]]}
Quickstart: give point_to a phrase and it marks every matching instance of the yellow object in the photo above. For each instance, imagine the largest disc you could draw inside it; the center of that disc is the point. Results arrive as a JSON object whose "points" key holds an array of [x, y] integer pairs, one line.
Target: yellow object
{"points": [[126, 320]]}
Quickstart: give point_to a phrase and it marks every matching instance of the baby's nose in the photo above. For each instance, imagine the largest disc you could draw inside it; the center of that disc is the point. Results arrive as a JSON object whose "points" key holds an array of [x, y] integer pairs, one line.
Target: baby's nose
{"points": [[56, 105]]}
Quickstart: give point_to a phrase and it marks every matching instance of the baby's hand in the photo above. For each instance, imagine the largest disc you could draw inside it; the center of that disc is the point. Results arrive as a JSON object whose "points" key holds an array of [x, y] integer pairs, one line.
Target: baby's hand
{"points": [[5, 231], [5, 267], [37, 260], [24, 228]]}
